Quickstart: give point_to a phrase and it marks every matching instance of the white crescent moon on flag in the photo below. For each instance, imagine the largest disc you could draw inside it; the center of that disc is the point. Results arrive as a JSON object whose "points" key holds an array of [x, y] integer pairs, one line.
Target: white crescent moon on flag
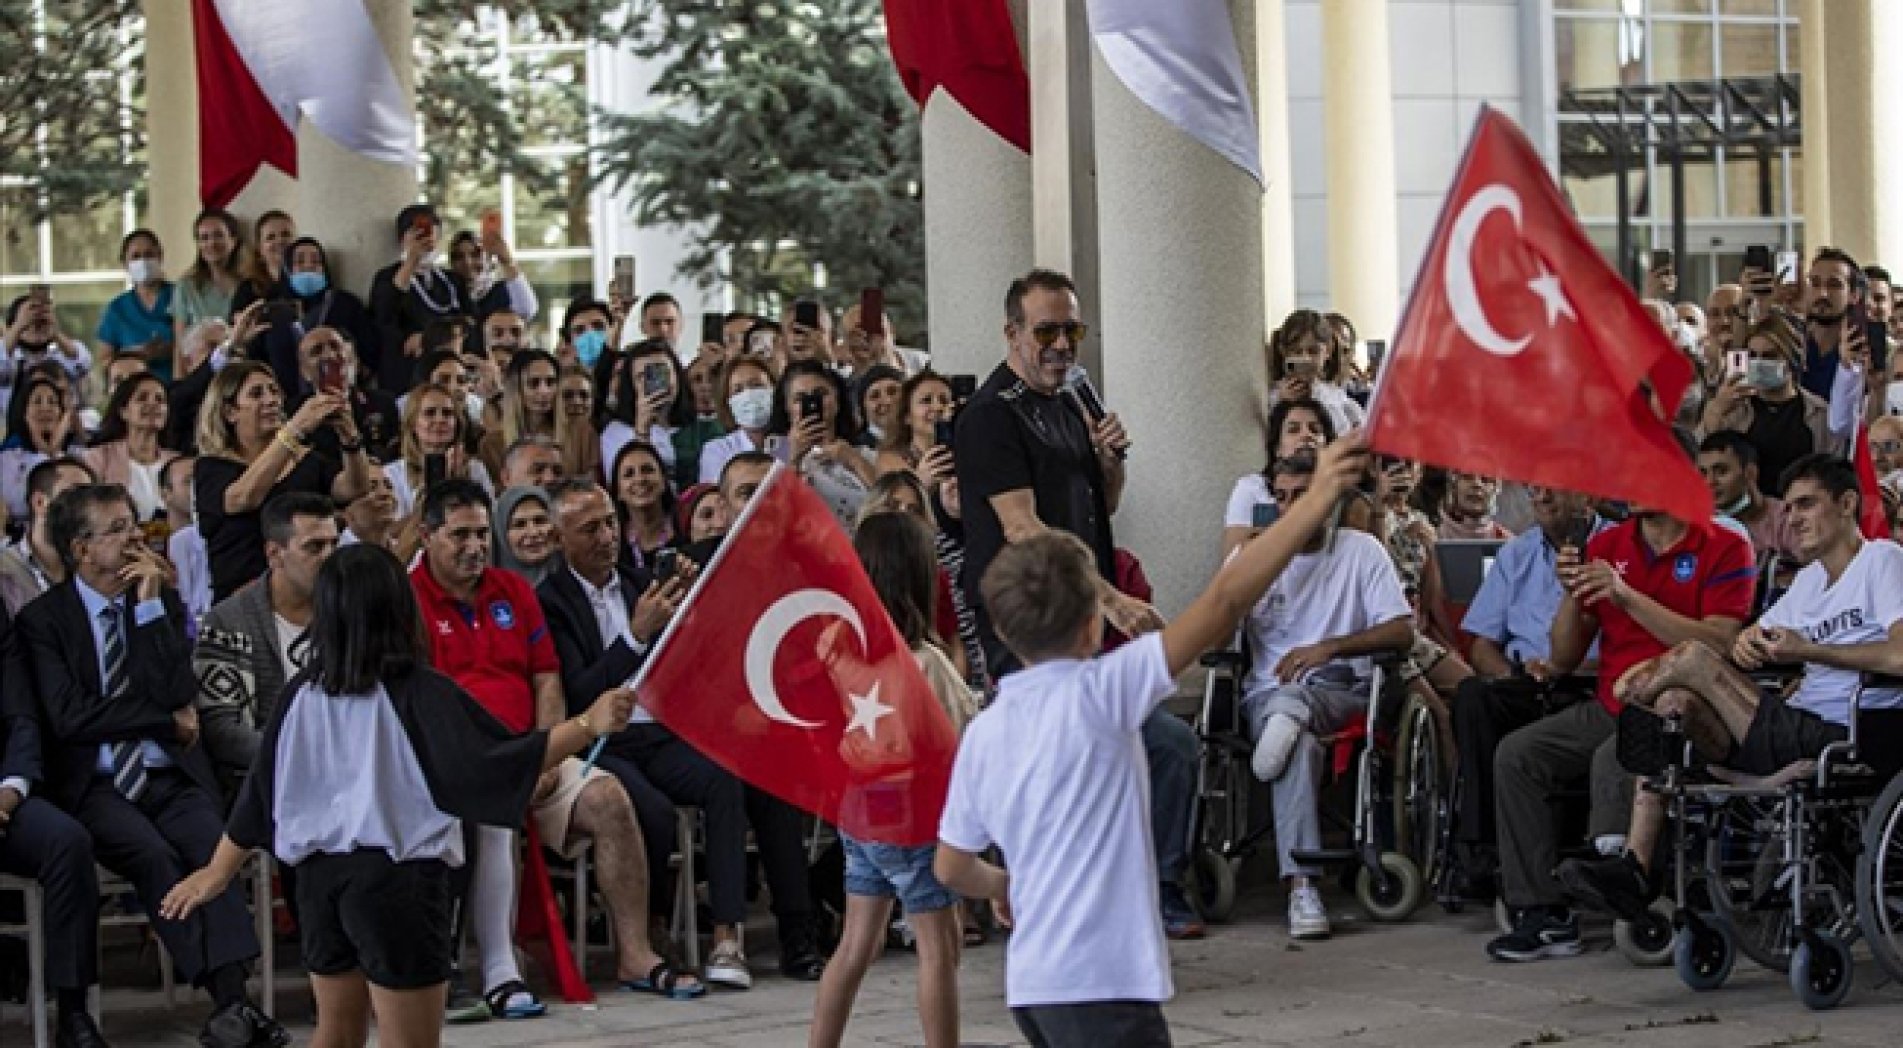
{"points": [[1457, 275], [771, 630]]}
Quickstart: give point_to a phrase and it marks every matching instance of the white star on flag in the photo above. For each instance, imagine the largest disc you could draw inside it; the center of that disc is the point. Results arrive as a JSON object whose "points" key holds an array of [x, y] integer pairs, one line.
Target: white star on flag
{"points": [[1547, 286], [866, 711]]}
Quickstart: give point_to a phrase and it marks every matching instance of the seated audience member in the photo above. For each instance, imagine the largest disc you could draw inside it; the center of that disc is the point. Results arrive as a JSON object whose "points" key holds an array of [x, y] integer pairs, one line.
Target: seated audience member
{"points": [[700, 514], [1467, 511], [745, 409], [184, 547], [328, 349], [532, 461], [120, 369], [1843, 616], [410, 293], [812, 416], [105, 652], [41, 424], [1294, 425], [1729, 462], [307, 278], [1674, 583], [1408, 533], [1305, 363], [575, 427], [1308, 640], [432, 426], [32, 565], [249, 454], [1783, 420], [254, 641], [595, 593], [531, 407], [33, 336], [645, 501], [1511, 623], [503, 656], [1886, 449], [372, 518], [126, 449], [525, 541]]}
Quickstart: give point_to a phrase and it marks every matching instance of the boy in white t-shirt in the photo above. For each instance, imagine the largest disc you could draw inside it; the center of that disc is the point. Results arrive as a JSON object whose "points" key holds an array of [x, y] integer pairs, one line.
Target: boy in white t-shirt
{"points": [[1053, 773], [1842, 617]]}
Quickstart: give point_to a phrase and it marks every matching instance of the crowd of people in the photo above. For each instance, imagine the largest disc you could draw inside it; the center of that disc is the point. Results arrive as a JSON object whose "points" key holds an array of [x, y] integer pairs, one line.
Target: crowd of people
{"points": [[289, 497]]}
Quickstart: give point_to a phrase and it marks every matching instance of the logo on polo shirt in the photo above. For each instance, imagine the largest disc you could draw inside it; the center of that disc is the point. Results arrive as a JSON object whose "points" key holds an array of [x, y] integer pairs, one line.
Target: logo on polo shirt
{"points": [[502, 613], [1684, 567], [443, 628]]}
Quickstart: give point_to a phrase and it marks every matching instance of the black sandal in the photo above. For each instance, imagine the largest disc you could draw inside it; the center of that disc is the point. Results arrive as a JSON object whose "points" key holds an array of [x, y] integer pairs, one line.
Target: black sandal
{"points": [[663, 980], [498, 1002]]}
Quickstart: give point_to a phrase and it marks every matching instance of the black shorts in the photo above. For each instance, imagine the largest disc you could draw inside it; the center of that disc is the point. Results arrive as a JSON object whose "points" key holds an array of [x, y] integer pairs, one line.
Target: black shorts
{"points": [[1780, 735], [362, 911]]}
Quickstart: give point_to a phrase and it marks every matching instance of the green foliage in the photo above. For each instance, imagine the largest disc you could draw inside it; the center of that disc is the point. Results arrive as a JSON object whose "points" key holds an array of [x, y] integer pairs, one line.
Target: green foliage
{"points": [[786, 142], [62, 120]]}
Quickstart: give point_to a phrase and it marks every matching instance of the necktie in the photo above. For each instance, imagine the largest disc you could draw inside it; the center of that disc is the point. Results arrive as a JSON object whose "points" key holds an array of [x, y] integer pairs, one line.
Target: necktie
{"points": [[128, 757]]}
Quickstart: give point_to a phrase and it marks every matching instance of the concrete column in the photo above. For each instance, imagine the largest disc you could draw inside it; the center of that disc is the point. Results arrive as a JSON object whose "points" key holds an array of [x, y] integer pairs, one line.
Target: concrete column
{"points": [[1866, 158], [171, 128], [1815, 157], [1059, 56], [346, 200], [1278, 207], [1182, 322], [977, 234], [1364, 279]]}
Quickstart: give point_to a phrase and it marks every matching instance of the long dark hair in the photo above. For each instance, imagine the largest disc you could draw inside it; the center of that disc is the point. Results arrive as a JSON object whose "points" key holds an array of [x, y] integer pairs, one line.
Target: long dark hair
{"points": [[899, 558], [845, 418], [639, 446], [45, 373], [364, 622], [112, 423], [1278, 416], [680, 411]]}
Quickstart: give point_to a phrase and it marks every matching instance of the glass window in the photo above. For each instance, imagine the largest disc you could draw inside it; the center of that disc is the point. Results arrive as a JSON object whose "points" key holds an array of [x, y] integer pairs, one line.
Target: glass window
{"points": [[1592, 195], [88, 241], [1680, 51], [557, 282], [1588, 5], [1747, 185], [1594, 52], [552, 204], [1757, 8], [1749, 50], [19, 238], [1681, 7]]}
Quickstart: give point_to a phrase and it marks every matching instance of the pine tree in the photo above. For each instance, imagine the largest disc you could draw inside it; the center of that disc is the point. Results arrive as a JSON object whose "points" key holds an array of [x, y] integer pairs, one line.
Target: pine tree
{"points": [[62, 121], [785, 142]]}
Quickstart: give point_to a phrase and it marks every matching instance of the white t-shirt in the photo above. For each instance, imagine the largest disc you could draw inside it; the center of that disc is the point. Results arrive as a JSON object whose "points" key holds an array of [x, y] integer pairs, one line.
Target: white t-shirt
{"points": [[715, 453], [287, 634], [399, 474], [1251, 490], [1860, 608], [1320, 596], [1053, 773]]}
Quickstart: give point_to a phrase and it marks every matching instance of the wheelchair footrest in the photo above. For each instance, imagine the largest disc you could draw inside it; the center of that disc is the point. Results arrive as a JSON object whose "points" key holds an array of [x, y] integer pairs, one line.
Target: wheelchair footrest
{"points": [[1327, 856]]}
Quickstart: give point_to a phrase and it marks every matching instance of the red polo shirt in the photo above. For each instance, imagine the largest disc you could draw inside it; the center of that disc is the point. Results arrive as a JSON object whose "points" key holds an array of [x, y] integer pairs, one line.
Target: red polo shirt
{"points": [[492, 648], [1707, 573]]}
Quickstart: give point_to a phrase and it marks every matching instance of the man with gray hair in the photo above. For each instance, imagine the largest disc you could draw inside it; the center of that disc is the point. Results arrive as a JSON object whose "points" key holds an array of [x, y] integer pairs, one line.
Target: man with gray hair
{"points": [[533, 461]]}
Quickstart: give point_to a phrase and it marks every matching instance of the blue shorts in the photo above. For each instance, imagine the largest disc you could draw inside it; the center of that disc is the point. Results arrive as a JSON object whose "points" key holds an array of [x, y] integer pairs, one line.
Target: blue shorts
{"points": [[888, 871]]}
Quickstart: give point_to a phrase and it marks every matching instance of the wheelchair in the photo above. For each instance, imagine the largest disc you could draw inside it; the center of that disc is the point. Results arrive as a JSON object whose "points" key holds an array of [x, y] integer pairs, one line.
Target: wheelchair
{"points": [[1792, 868], [1395, 753]]}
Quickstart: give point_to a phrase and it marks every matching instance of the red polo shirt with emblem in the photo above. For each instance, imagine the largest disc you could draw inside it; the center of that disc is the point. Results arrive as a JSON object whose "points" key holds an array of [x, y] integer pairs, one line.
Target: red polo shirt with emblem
{"points": [[494, 647], [1708, 573]]}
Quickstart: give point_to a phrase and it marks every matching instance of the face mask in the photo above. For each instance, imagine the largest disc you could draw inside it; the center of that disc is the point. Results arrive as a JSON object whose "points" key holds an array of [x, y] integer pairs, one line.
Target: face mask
{"points": [[1893, 398], [304, 285], [588, 347], [752, 407], [1743, 503], [1766, 374], [143, 270]]}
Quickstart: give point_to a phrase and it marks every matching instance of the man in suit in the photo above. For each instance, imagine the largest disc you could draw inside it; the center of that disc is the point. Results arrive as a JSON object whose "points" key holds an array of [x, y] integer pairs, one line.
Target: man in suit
{"points": [[38, 840], [106, 654], [603, 618]]}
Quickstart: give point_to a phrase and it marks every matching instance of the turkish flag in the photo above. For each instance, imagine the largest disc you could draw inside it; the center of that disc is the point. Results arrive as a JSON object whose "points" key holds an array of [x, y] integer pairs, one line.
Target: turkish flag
{"points": [[1871, 520], [239, 130], [783, 667], [970, 48], [1523, 355]]}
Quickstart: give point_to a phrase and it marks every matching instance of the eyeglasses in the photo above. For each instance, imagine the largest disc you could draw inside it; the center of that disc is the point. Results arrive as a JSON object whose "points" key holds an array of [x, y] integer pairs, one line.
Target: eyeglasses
{"points": [[1073, 332], [120, 526]]}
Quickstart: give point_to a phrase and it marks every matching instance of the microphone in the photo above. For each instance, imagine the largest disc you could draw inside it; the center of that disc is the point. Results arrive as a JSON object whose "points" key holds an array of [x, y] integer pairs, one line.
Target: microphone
{"points": [[1077, 384]]}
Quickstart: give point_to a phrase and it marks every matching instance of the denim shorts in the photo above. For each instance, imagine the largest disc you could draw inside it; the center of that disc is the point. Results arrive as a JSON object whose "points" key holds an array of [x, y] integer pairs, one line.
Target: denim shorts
{"points": [[888, 871]]}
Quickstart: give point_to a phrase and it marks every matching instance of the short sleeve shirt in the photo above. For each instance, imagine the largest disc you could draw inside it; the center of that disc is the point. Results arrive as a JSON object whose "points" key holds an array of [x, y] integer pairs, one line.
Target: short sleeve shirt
{"points": [[1860, 607], [492, 648], [127, 324], [1707, 573], [234, 542]]}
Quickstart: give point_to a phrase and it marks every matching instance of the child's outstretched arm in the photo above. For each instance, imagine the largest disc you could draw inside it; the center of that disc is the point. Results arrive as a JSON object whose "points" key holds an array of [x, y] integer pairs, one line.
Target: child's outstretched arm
{"points": [[973, 878], [1239, 583]]}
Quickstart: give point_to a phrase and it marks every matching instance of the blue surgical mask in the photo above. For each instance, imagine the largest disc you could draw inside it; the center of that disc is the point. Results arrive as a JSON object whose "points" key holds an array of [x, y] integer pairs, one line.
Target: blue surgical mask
{"points": [[306, 284], [588, 347]]}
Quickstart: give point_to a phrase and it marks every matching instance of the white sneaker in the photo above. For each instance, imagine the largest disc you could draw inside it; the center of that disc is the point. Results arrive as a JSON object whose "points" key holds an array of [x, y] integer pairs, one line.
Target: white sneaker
{"points": [[727, 966], [1609, 844], [1307, 917], [1273, 748]]}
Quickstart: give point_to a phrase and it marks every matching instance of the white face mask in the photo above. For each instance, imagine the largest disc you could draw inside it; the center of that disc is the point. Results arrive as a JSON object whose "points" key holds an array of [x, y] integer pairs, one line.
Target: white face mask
{"points": [[143, 270], [752, 407], [1893, 398]]}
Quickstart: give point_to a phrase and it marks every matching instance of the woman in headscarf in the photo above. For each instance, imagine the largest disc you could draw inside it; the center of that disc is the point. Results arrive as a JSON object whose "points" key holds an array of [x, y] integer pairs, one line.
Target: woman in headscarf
{"points": [[524, 535]]}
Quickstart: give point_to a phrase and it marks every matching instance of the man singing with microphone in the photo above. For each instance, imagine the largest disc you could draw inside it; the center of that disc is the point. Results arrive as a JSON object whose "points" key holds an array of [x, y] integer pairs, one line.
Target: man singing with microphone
{"points": [[1030, 457]]}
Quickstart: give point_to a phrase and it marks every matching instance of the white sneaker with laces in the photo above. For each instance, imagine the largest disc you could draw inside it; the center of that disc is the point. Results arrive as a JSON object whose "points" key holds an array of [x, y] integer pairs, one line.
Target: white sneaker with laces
{"points": [[1307, 917], [727, 966], [1273, 748]]}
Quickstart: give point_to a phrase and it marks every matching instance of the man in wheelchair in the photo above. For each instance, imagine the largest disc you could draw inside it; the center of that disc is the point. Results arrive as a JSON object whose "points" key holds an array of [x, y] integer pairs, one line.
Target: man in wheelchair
{"points": [[1309, 638], [1843, 616]]}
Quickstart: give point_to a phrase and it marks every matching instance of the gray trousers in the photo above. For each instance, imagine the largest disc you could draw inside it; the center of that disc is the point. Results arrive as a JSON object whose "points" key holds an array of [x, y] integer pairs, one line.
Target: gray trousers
{"points": [[1321, 709], [1532, 765]]}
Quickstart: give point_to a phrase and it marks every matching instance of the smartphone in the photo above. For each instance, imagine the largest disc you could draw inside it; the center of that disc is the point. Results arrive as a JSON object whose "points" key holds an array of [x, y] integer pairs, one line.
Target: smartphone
{"points": [[1377, 350], [1877, 334], [622, 284], [1757, 256], [491, 223], [872, 311], [713, 328], [1301, 367], [667, 564], [812, 404], [1787, 267], [1263, 515], [1737, 362], [435, 470], [654, 378], [963, 388], [942, 431], [806, 314], [422, 224], [330, 375], [1661, 259], [760, 343]]}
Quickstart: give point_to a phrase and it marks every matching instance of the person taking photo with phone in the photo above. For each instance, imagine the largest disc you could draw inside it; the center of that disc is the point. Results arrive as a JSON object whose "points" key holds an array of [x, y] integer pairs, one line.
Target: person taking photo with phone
{"points": [[818, 437], [1305, 363], [1761, 398]]}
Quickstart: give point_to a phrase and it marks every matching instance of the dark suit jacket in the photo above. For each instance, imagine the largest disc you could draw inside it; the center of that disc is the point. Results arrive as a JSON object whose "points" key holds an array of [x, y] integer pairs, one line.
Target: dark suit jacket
{"points": [[587, 668], [56, 641], [19, 714]]}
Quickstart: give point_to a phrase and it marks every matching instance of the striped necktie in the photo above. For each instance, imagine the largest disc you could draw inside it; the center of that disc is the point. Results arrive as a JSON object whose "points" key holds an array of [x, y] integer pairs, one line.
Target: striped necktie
{"points": [[128, 757]]}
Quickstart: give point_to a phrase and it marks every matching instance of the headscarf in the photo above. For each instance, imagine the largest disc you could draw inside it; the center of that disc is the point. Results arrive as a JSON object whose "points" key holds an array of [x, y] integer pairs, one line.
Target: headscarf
{"points": [[499, 529]]}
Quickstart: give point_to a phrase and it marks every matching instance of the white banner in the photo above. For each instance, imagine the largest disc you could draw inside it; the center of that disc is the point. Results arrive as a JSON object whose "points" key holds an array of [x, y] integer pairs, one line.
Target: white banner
{"points": [[1179, 57]]}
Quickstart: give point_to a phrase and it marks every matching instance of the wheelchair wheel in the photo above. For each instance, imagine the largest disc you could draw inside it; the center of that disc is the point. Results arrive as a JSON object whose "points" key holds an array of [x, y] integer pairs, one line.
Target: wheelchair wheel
{"points": [[1703, 952], [1880, 879], [1397, 899], [1646, 942], [1420, 795], [1213, 882], [1746, 879], [1821, 971]]}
